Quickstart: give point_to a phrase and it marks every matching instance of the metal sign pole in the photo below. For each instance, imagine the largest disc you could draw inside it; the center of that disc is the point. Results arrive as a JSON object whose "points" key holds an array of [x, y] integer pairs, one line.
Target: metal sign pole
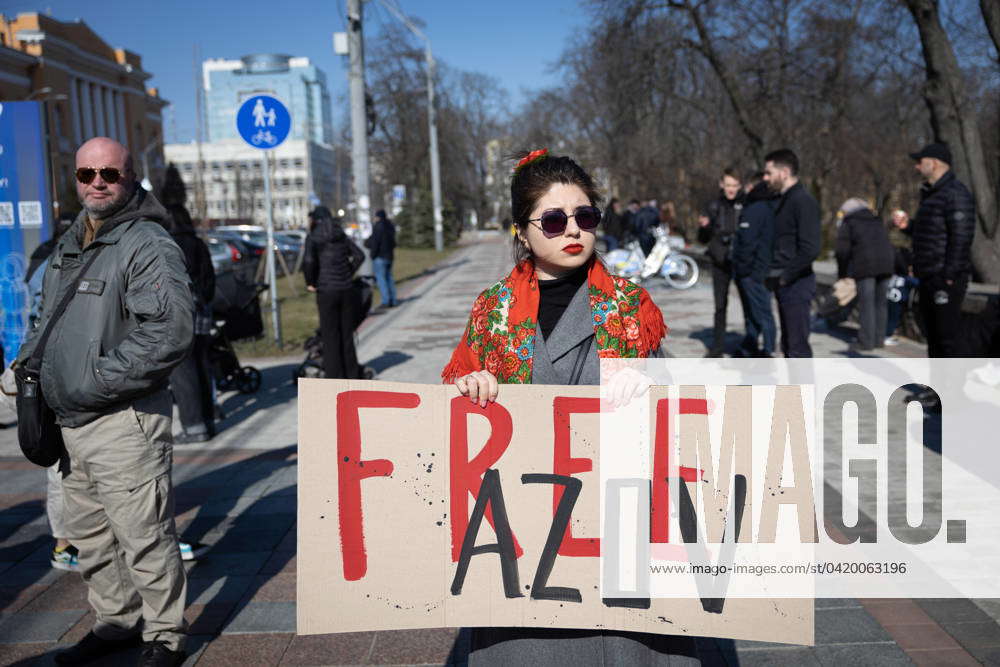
{"points": [[272, 277], [264, 122]]}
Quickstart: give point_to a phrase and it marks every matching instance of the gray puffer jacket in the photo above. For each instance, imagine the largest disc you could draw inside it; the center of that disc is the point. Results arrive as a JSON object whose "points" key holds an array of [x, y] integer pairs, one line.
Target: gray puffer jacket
{"points": [[130, 322]]}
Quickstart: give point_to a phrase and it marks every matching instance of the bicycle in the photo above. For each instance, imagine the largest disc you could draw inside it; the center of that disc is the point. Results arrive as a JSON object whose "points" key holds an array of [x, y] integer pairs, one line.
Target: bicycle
{"points": [[678, 270]]}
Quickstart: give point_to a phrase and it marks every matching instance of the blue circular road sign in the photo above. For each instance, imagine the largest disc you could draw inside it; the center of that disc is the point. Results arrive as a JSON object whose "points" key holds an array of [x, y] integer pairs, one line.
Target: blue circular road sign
{"points": [[263, 121]]}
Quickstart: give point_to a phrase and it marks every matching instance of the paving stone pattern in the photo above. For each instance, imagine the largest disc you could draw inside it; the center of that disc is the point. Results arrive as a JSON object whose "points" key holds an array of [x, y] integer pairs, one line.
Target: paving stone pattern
{"points": [[238, 494]]}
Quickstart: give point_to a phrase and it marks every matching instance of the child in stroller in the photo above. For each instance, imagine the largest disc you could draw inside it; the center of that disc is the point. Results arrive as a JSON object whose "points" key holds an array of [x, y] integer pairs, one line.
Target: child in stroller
{"points": [[237, 308], [226, 367]]}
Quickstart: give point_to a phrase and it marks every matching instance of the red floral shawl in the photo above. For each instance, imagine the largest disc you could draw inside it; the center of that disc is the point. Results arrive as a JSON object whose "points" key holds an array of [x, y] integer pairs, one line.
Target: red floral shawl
{"points": [[500, 336]]}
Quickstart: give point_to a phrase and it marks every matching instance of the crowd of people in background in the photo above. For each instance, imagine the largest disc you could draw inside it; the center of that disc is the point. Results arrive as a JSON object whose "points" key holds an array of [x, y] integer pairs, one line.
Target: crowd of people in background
{"points": [[762, 234]]}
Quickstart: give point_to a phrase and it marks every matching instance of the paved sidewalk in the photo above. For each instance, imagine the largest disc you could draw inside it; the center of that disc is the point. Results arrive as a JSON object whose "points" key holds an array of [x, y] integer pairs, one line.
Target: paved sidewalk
{"points": [[238, 494]]}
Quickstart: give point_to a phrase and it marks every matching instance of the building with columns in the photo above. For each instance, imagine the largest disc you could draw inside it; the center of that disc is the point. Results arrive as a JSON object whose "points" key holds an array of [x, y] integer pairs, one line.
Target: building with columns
{"points": [[89, 89]]}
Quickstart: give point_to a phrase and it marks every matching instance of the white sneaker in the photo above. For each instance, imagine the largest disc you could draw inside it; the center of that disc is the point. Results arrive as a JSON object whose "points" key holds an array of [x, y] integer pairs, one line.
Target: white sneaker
{"points": [[890, 341], [66, 559], [192, 551]]}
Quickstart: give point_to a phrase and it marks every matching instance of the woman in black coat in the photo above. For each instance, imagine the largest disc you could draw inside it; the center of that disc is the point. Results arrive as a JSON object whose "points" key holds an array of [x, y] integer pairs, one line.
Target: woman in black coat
{"points": [[191, 380], [329, 265], [865, 254]]}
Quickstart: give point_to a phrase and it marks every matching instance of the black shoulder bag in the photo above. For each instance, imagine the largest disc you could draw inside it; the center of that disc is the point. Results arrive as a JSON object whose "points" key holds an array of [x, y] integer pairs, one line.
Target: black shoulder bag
{"points": [[37, 432]]}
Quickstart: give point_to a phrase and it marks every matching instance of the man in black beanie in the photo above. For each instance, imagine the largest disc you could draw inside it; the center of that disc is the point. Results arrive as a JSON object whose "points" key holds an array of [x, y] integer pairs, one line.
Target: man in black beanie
{"points": [[942, 233]]}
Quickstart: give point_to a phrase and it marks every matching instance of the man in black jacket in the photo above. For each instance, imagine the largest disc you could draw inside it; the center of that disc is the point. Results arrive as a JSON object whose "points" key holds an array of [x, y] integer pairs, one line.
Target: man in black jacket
{"points": [[628, 222], [942, 235], [796, 246], [751, 261], [382, 246], [717, 228], [612, 224], [644, 221]]}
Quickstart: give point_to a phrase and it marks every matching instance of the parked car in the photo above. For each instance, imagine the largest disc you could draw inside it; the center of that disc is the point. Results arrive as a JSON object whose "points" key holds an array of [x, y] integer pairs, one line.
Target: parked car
{"points": [[245, 255], [297, 233], [223, 257], [291, 245], [257, 236], [239, 229], [285, 236], [288, 252]]}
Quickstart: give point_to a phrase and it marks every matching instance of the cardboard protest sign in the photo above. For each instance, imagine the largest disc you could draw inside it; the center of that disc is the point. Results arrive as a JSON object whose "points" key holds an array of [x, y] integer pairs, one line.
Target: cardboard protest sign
{"points": [[418, 509]]}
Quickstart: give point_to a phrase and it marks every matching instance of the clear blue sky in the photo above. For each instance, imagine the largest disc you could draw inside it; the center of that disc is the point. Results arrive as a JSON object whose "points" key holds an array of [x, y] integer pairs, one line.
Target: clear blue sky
{"points": [[514, 40]]}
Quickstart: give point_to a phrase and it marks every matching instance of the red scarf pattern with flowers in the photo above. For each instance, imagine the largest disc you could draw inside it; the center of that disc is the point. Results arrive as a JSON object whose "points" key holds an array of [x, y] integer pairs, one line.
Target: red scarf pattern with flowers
{"points": [[500, 336]]}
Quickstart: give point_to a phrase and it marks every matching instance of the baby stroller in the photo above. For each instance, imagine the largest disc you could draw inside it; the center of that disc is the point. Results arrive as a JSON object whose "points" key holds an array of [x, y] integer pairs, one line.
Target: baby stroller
{"points": [[312, 365], [237, 311]]}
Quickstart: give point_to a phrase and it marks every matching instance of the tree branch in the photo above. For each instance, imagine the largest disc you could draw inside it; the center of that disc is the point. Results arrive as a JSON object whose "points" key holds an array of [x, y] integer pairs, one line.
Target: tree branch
{"points": [[991, 14]]}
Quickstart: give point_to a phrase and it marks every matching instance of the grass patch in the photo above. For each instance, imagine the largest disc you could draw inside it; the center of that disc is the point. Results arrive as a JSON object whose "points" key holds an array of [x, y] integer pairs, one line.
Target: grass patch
{"points": [[299, 318]]}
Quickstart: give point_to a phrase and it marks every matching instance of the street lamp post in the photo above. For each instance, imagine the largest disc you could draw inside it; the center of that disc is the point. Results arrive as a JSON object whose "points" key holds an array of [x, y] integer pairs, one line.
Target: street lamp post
{"points": [[432, 123], [359, 124]]}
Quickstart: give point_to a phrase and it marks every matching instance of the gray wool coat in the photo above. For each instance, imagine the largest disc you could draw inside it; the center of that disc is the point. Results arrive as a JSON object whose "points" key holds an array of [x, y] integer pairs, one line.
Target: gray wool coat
{"points": [[554, 362], [573, 336]]}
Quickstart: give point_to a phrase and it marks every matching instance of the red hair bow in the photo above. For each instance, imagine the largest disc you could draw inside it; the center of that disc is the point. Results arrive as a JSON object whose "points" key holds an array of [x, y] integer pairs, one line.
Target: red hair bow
{"points": [[531, 157]]}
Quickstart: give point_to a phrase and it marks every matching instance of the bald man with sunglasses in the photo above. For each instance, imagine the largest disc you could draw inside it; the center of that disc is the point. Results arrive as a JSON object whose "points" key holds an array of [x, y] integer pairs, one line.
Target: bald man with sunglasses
{"points": [[104, 371]]}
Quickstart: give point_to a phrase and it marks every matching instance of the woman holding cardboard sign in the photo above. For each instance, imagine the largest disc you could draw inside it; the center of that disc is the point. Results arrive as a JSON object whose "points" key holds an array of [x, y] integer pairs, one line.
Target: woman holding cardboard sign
{"points": [[559, 310], [549, 322]]}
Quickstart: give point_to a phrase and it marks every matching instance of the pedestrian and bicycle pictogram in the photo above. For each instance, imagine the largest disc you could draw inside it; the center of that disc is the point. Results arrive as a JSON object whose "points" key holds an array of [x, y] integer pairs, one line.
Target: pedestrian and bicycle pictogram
{"points": [[263, 121]]}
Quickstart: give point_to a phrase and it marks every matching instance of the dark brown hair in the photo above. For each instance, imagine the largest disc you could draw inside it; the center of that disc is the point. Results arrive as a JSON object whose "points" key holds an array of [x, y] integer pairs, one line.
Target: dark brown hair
{"points": [[533, 180], [784, 157]]}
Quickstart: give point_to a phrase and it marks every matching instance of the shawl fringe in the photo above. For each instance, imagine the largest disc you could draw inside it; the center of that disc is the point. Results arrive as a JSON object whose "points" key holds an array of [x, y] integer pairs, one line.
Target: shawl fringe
{"points": [[454, 369], [652, 328]]}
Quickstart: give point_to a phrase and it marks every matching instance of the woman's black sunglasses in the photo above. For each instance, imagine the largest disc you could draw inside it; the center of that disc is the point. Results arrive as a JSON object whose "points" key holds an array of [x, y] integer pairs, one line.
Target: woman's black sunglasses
{"points": [[109, 175], [554, 220]]}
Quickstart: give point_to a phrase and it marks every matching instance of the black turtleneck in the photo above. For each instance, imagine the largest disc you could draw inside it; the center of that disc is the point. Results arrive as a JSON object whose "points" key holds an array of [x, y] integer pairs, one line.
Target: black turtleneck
{"points": [[554, 295]]}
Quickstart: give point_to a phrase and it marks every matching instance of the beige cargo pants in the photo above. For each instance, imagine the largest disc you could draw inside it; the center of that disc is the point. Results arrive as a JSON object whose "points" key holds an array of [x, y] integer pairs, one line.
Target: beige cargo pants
{"points": [[119, 512]]}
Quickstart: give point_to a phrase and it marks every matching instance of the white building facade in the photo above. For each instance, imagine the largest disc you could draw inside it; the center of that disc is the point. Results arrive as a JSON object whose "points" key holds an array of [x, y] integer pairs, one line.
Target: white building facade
{"points": [[300, 85], [232, 177]]}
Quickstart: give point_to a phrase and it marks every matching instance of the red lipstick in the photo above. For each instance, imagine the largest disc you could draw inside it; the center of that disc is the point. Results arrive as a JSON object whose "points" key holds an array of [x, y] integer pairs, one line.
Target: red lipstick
{"points": [[573, 249]]}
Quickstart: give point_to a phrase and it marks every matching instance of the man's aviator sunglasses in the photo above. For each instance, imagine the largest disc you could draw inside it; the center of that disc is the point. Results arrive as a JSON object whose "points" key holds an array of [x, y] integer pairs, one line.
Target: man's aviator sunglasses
{"points": [[109, 175], [554, 220]]}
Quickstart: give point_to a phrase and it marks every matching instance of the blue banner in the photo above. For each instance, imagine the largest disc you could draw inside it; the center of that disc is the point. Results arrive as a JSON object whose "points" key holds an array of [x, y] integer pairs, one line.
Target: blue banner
{"points": [[25, 213]]}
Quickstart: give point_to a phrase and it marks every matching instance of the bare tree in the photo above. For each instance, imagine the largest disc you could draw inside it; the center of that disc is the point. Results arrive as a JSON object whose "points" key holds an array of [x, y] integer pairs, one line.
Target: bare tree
{"points": [[706, 43], [469, 108], [991, 14], [954, 122]]}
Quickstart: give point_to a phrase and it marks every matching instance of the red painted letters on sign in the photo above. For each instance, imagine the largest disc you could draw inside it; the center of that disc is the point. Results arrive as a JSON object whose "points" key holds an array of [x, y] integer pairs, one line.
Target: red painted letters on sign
{"points": [[564, 464], [466, 475], [351, 470]]}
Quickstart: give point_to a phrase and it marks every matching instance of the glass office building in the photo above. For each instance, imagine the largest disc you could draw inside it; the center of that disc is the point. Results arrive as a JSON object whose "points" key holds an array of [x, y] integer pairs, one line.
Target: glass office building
{"points": [[300, 85]]}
